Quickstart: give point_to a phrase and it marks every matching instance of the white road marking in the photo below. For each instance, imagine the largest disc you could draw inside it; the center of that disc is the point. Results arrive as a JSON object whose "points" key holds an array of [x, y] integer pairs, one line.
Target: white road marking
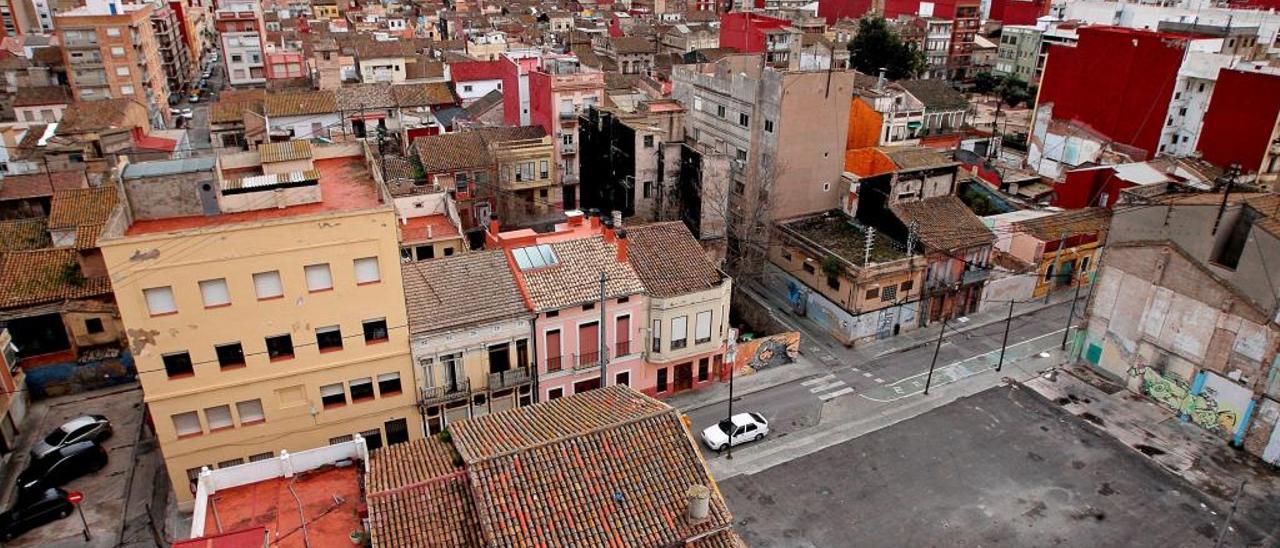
{"points": [[879, 380], [855, 369], [818, 380], [836, 394], [826, 387], [868, 375]]}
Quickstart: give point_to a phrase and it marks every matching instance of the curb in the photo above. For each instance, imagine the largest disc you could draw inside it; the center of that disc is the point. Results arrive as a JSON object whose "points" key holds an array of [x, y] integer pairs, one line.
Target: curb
{"points": [[968, 328], [743, 393]]}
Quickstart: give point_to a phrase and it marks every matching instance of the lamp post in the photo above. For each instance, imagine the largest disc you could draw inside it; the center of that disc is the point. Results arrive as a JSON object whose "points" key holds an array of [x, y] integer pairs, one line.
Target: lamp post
{"points": [[730, 356]]}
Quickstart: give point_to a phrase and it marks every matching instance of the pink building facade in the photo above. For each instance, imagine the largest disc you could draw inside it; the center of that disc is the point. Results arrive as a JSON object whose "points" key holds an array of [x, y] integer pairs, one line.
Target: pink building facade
{"points": [[558, 93], [285, 64]]}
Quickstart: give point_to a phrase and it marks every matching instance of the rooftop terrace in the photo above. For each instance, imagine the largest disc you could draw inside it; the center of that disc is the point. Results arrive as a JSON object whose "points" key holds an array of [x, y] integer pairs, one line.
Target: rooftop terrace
{"points": [[844, 237]]}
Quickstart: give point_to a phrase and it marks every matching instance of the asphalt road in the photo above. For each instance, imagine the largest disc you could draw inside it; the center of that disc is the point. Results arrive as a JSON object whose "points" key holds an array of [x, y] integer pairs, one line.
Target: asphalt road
{"points": [[1004, 467], [855, 388]]}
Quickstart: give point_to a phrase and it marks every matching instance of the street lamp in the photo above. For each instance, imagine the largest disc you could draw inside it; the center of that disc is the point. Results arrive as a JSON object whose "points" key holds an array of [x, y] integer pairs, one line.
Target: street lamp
{"points": [[730, 356]]}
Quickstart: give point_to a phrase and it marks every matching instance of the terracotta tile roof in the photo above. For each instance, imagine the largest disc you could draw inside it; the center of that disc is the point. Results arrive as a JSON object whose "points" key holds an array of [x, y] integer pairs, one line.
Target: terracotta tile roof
{"points": [[41, 95], [433, 289], [231, 105], [575, 278], [298, 83], [29, 146], [87, 235], [82, 206], [467, 149], [24, 234], [423, 68], [483, 104], [301, 103], [367, 96], [935, 94], [435, 513], [384, 49], [285, 151], [43, 276], [1075, 222], [423, 95], [40, 185], [632, 44], [50, 56], [669, 260], [88, 116], [944, 223], [405, 464], [609, 467]]}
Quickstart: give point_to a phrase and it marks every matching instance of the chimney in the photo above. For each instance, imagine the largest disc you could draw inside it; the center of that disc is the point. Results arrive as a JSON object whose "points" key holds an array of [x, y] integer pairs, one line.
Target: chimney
{"points": [[594, 215], [493, 224], [574, 216], [608, 231], [617, 219], [699, 498], [622, 245], [881, 79]]}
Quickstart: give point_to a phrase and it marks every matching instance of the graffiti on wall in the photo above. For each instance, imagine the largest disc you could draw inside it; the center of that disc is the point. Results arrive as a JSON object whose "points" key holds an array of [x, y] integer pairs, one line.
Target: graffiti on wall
{"points": [[767, 352], [1211, 407]]}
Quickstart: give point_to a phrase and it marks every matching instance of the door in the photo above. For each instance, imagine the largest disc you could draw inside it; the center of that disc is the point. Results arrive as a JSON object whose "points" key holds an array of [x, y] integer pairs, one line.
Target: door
{"points": [[746, 434], [1067, 273], [622, 336], [588, 343], [397, 431], [684, 376], [554, 360]]}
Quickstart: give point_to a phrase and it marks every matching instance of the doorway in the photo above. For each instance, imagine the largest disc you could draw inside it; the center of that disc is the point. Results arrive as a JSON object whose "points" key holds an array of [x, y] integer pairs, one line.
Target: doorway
{"points": [[684, 376]]}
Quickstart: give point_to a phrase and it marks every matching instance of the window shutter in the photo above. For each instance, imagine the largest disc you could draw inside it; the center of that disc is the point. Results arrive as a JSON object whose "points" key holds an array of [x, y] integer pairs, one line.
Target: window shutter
{"points": [[218, 417], [250, 411], [186, 423], [367, 270], [332, 390], [679, 328], [268, 285], [318, 277], [214, 292], [160, 300], [702, 330]]}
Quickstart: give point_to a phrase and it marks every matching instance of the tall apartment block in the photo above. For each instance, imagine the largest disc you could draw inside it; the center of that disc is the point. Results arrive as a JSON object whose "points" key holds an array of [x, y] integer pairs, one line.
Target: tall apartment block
{"points": [[264, 300], [111, 52], [179, 70], [240, 27]]}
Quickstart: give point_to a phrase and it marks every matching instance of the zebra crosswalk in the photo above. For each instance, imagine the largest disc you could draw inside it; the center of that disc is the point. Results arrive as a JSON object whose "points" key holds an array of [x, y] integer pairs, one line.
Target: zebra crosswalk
{"points": [[827, 387]]}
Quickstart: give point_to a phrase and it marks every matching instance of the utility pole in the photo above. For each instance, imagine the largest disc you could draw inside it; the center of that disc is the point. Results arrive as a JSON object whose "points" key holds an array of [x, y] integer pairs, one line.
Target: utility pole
{"points": [[1230, 176], [1053, 267], [731, 360], [1066, 331], [1226, 525], [1004, 343], [929, 380], [604, 351]]}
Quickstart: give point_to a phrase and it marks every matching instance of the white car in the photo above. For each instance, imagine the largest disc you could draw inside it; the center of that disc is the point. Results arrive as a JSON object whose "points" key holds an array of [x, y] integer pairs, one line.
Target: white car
{"points": [[742, 428]]}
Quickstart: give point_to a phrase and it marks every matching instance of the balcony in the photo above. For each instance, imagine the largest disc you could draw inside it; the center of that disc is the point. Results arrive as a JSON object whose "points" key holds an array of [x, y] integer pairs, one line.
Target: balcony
{"points": [[508, 379], [622, 348], [974, 276], [586, 360], [444, 394], [567, 149], [554, 363]]}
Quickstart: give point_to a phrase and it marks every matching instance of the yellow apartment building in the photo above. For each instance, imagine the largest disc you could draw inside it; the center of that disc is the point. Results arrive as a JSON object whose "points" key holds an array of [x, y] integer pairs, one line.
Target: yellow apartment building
{"points": [[263, 301]]}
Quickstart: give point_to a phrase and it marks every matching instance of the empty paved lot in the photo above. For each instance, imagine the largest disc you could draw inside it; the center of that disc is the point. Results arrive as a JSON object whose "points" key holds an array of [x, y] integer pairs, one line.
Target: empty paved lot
{"points": [[1002, 468]]}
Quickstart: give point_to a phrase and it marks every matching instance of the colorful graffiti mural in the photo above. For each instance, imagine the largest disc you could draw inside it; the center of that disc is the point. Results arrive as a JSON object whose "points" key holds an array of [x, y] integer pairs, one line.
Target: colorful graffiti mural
{"points": [[767, 352], [1211, 402]]}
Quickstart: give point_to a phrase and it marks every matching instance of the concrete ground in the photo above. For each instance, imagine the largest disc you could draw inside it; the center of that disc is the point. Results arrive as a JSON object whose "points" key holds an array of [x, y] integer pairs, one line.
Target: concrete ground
{"points": [[1003, 467], [107, 493]]}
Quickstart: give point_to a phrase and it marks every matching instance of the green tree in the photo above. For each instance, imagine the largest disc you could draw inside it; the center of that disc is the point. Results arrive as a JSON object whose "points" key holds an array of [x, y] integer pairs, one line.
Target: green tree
{"points": [[877, 47]]}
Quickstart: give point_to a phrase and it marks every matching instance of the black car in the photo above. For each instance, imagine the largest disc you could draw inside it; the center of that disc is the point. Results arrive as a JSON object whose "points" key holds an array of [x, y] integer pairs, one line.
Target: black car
{"points": [[33, 510], [61, 466]]}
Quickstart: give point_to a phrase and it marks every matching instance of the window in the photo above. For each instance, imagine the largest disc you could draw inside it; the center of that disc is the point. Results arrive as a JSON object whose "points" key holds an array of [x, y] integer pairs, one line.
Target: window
{"points": [[544, 169], [721, 111], [648, 189], [872, 293], [809, 268], [467, 88], [768, 126], [743, 119], [237, 58], [267, 285], [94, 326], [375, 330], [318, 277], [187, 424], [367, 271], [697, 103], [702, 327], [341, 439], [117, 51], [113, 31], [906, 286], [261, 456], [623, 378], [178, 364], [372, 439], [662, 380], [332, 395], [704, 370], [280, 347], [655, 335], [218, 417], [833, 282], [1048, 273], [553, 350], [126, 90], [499, 357], [888, 294], [389, 384], [361, 389], [160, 301], [122, 71], [1084, 264], [329, 338], [555, 393], [250, 412], [229, 355], [230, 463], [397, 431], [648, 141], [588, 307], [679, 332], [215, 293]]}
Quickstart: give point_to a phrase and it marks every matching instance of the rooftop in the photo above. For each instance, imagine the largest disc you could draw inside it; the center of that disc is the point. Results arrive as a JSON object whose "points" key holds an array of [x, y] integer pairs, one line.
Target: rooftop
{"points": [[574, 279], [915, 158], [944, 223], [345, 185], [419, 495], [45, 276], [843, 236], [81, 206], [1087, 221], [434, 288], [669, 260], [40, 185], [24, 234], [427, 228], [329, 498]]}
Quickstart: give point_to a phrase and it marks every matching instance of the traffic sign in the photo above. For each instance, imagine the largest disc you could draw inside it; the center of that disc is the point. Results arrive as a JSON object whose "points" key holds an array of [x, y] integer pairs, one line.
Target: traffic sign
{"points": [[75, 497]]}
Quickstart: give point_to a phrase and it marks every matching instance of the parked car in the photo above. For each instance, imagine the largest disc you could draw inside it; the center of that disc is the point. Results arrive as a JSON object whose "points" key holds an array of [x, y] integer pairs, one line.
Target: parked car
{"points": [[34, 510], [739, 429], [61, 466], [194, 97], [88, 427]]}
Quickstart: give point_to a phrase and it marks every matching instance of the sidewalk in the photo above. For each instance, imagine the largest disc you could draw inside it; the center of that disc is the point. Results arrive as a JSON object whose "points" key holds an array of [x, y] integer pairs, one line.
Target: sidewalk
{"points": [[747, 384], [1185, 450]]}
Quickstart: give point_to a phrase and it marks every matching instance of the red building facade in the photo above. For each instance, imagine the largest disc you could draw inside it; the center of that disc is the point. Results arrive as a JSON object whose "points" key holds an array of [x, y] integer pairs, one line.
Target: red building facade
{"points": [[1242, 113], [745, 31], [1019, 12]]}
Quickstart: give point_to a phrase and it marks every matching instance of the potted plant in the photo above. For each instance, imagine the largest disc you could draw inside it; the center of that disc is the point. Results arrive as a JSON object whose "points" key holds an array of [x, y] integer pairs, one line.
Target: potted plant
{"points": [[358, 537]]}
